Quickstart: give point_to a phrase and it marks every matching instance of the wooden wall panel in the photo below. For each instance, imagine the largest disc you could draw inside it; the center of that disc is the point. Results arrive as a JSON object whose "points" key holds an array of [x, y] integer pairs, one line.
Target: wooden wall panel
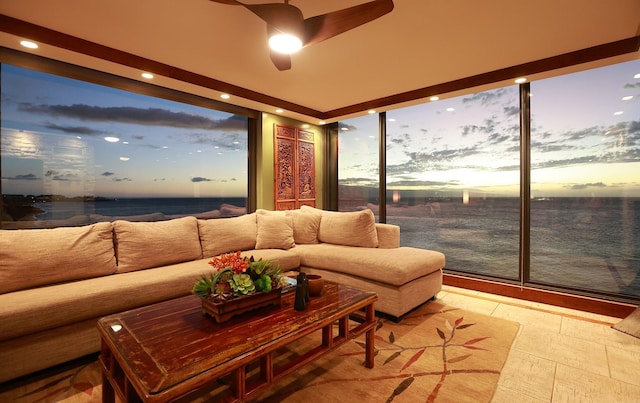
{"points": [[295, 170]]}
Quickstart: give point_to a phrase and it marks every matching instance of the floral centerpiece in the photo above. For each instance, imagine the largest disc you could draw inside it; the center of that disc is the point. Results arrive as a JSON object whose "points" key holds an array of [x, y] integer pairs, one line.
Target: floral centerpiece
{"points": [[235, 276]]}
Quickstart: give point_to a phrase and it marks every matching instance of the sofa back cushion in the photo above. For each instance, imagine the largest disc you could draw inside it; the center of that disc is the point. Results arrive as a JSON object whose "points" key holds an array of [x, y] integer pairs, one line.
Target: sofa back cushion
{"points": [[354, 228], [306, 224], [222, 235], [142, 245], [36, 257]]}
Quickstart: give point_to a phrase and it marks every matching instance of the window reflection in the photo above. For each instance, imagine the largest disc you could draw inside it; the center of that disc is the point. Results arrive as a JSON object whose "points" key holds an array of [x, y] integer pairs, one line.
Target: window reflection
{"points": [[74, 153]]}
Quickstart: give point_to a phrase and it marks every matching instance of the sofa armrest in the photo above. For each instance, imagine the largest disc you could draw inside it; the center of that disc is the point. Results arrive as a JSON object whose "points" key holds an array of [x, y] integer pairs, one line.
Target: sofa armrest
{"points": [[388, 236]]}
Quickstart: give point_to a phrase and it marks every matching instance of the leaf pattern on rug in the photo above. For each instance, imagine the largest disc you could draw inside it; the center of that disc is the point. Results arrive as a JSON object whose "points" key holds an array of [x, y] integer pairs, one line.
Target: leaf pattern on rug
{"points": [[447, 336]]}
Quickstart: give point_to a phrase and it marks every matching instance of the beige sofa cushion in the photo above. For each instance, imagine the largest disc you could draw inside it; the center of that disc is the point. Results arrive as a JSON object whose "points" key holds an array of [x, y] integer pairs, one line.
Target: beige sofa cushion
{"points": [[395, 267], [222, 235], [31, 258], [306, 224], [142, 245], [354, 228], [275, 231]]}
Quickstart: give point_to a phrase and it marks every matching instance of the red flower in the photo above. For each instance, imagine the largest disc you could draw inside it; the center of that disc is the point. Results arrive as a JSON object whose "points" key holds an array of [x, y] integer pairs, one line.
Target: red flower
{"points": [[231, 260]]}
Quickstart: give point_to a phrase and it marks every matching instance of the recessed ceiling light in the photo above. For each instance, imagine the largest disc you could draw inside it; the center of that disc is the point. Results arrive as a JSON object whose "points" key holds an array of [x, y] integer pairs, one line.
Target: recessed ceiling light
{"points": [[344, 128], [520, 80], [322, 122], [124, 158], [148, 76], [627, 98], [450, 109], [279, 111], [29, 44], [111, 139], [371, 112], [434, 98], [225, 96], [392, 120], [618, 113], [637, 76]]}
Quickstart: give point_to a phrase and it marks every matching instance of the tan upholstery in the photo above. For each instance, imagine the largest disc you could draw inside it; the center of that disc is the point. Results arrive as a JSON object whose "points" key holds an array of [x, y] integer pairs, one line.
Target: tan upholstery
{"points": [[274, 231], [142, 245], [31, 258], [222, 235]]}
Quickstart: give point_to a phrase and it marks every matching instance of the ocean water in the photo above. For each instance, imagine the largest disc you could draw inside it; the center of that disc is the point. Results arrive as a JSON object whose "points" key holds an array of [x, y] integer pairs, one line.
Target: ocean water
{"points": [[590, 244], [123, 207]]}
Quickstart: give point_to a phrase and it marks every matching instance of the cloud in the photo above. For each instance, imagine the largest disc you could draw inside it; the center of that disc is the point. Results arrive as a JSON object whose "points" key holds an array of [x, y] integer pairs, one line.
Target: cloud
{"points": [[140, 116], [583, 186], [51, 172], [486, 98], [83, 130], [511, 110], [65, 177], [231, 141], [422, 183], [107, 173], [122, 180], [196, 179], [632, 85], [25, 177]]}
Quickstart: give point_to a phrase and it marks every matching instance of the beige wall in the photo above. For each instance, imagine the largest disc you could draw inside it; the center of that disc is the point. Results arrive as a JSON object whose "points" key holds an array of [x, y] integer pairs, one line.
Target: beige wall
{"points": [[265, 179]]}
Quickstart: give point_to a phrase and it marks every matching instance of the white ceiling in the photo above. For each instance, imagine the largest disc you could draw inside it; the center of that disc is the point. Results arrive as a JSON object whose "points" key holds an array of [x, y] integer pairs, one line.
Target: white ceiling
{"points": [[419, 44]]}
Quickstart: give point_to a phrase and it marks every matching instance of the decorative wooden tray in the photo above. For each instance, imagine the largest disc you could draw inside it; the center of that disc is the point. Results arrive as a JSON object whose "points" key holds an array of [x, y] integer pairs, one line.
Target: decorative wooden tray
{"points": [[225, 310]]}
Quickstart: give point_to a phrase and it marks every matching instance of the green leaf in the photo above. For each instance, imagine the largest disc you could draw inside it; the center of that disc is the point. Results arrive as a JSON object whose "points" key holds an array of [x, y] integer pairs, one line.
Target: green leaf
{"points": [[392, 357]]}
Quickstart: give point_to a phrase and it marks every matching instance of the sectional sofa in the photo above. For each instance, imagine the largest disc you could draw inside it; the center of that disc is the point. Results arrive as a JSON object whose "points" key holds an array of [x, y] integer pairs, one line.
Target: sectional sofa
{"points": [[55, 283]]}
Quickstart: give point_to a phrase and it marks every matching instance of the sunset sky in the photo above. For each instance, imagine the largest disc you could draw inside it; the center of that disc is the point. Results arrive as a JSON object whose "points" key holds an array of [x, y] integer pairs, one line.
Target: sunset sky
{"points": [[54, 131], [581, 144], [585, 141]]}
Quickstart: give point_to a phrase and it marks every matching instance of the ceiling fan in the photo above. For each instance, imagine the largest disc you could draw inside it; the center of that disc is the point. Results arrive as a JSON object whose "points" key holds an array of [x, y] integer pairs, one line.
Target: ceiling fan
{"points": [[289, 31]]}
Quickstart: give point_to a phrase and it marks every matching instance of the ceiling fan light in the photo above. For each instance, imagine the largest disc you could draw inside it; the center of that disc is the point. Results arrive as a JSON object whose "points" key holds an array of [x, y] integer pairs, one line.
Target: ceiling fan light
{"points": [[285, 43]]}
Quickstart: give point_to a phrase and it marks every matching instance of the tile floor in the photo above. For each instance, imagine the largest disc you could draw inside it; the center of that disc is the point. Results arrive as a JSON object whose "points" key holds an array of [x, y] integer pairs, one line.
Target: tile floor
{"points": [[559, 354]]}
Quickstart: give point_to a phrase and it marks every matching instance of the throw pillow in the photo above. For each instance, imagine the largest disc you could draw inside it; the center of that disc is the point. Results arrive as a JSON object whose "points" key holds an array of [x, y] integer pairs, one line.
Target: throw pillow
{"points": [[222, 235], [142, 245], [305, 226], [275, 231], [357, 228]]}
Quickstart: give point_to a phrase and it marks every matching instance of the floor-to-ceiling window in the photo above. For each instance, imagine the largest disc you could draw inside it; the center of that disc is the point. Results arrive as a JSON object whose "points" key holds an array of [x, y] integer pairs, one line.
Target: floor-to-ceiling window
{"points": [[453, 179], [74, 152], [358, 156], [453, 171], [585, 180]]}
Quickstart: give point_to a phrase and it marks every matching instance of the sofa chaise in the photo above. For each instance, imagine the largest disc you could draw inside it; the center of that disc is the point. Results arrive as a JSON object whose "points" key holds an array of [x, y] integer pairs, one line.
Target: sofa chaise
{"points": [[55, 283]]}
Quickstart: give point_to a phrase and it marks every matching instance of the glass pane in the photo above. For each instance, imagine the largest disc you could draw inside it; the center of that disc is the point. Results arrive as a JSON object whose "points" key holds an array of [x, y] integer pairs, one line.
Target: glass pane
{"points": [[73, 153], [585, 213], [358, 159], [453, 179]]}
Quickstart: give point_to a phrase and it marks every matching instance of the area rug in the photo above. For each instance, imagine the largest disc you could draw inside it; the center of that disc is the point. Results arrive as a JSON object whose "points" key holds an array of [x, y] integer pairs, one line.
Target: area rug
{"points": [[437, 353], [630, 324]]}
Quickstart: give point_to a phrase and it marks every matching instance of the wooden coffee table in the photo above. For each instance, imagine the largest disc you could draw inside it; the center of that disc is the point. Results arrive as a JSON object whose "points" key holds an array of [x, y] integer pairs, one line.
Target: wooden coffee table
{"points": [[168, 350]]}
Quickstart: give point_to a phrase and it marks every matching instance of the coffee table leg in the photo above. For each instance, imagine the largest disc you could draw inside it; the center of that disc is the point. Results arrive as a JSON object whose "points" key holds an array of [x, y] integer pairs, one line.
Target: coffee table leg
{"points": [[108, 394], [370, 337]]}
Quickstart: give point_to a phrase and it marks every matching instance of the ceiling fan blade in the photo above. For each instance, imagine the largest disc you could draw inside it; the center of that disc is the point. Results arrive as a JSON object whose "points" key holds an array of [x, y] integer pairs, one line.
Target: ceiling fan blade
{"points": [[325, 26], [281, 61], [230, 2]]}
